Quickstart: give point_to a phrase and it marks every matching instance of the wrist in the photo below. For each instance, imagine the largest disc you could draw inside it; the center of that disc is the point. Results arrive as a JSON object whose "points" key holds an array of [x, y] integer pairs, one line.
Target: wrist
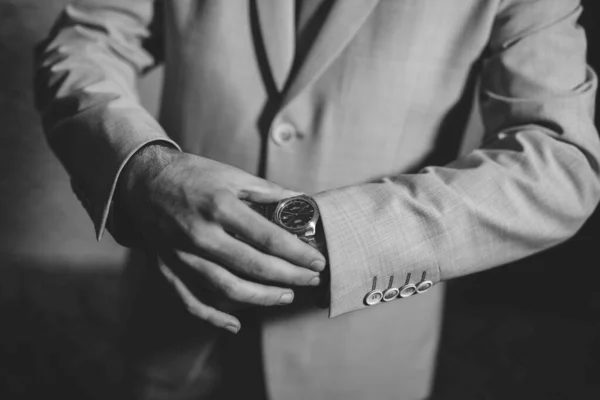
{"points": [[141, 170]]}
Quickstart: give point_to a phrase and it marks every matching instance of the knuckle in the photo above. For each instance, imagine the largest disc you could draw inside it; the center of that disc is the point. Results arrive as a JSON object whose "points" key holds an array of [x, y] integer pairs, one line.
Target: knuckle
{"points": [[267, 241], [220, 204], [256, 269], [257, 298], [303, 277], [231, 289], [273, 269], [270, 298], [194, 310], [212, 283], [197, 234], [194, 307], [205, 237]]}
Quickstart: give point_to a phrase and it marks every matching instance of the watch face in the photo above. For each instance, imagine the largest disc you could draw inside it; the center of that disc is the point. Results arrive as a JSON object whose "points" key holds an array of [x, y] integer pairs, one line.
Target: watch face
{"points": [[296, 214]]}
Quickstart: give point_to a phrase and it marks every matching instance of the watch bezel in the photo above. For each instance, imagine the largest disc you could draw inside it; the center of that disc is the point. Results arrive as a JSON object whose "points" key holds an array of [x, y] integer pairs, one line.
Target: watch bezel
{"points": [[309, 228]]}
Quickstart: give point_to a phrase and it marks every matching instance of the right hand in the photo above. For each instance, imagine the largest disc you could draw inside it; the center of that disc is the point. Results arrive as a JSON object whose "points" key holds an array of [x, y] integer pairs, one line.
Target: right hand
{"points": [[192, 211]]}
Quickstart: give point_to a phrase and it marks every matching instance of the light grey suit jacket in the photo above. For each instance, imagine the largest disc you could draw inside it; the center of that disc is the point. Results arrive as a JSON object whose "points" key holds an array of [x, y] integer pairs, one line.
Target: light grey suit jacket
{"points": [[370, 121]]}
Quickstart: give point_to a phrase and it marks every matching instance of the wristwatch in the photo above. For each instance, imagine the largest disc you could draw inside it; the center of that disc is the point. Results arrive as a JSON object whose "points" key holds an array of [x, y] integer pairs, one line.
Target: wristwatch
{"points": [[298, 215]]}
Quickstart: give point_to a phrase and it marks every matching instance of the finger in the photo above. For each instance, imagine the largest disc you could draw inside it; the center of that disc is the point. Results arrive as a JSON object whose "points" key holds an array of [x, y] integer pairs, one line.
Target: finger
{"points": [[253, 228], [233, 287], [266, 192], [248, 262], [271, 239], [196, 307]]}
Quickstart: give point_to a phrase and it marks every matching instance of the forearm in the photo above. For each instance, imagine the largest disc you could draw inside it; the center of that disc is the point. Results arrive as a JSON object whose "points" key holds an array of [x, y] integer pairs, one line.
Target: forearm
{"points": [[531, 185], [86, 92], [131, 193]]}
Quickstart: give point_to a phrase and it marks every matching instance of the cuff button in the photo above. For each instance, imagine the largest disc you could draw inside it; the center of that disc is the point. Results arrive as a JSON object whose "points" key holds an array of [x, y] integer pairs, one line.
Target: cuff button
{"points": [[373, 297], [390, 294], [424, 286], [408, 290]]}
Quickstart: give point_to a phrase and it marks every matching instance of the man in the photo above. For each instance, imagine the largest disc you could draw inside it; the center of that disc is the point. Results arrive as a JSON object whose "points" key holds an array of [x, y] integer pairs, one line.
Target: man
{"points": [[359, 104]]}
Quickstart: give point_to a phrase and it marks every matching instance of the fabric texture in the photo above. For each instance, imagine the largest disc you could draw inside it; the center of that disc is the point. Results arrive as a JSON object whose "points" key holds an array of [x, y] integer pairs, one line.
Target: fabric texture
{"points": [[379, 103]]}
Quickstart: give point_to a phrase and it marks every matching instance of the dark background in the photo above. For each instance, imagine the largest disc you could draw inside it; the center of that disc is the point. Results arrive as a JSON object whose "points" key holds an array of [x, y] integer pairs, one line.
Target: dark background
{"points": [[530, 330]]}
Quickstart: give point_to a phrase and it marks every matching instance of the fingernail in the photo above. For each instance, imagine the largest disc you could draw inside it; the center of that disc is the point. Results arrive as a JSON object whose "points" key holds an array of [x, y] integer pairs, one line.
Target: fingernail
{"points": [[318, 265], [286, 298], [233, 328], [315, 281]]}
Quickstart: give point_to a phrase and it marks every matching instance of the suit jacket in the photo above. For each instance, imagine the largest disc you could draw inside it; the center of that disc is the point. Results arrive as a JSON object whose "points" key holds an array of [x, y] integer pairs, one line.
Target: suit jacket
{"points": [[369, 119]]}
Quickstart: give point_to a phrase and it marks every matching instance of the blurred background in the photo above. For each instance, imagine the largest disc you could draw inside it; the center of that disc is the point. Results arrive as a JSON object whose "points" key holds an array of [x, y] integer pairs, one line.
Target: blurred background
{"points": [[530, 330]]}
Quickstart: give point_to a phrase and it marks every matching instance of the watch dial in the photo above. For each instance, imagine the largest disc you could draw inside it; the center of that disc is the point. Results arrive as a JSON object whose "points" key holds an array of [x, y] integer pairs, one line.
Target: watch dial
{"points": [[296, 214]]}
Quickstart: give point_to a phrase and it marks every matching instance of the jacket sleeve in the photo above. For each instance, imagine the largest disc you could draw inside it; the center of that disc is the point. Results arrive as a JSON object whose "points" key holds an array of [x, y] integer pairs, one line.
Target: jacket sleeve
{"points": [[85, 88], [531, 184]]}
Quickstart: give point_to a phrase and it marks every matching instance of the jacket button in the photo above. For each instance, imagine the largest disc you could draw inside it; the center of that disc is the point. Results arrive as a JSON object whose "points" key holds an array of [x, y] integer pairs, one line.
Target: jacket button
{"points": [[373, 297], [424, 286], [283, 133], [408, 290], [390, 294]]}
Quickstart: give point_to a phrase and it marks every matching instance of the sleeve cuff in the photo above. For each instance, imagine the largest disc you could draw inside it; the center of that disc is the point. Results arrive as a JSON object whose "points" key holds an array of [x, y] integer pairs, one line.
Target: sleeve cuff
{"points": [[120, 230], [378, 250]]}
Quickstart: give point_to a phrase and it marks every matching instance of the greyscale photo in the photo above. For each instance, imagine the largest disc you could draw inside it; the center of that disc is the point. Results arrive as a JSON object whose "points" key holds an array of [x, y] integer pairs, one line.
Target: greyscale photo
{"points": [[299, 199]]}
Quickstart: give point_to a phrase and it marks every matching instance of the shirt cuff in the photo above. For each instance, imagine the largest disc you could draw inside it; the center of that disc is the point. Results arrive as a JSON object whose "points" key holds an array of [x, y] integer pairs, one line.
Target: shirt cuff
{"points": [[117, 222]]}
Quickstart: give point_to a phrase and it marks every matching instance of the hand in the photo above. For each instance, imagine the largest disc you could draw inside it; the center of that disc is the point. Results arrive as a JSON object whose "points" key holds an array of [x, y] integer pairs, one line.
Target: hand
{"points": [[192, 210]]}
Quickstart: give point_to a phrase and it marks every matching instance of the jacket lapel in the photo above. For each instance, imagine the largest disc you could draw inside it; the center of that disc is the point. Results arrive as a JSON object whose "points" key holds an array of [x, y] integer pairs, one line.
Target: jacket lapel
{"points": [[342, 23], [277, 27]]}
